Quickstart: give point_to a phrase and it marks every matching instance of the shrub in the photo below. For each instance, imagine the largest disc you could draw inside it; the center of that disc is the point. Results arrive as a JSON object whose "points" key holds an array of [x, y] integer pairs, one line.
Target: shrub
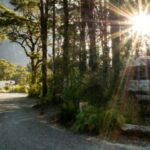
{"points": [[113, 120], [92, 89], [22, 89], [70, 99], [8, 88], [68, 113], [17, 88], [88, 120], [131, 110], [71, 90], [34, 90]]}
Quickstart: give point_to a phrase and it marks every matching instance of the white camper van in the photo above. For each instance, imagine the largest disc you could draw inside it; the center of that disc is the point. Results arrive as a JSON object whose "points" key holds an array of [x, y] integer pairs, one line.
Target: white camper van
{"points": [[139, 80], [6, 83]]}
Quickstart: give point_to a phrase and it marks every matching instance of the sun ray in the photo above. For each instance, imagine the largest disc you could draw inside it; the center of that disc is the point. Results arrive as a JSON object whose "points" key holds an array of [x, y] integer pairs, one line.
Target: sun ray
{"points": [[118, 10], [139, 5], [134, 44], [136, 21], [119, 33], [115, 22], [147, 7]]}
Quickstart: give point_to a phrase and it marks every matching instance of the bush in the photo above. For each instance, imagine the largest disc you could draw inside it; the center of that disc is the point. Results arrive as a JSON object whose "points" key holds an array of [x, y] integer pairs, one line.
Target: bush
{"points": [[34, 90], [68, 113], [131, 110], [20, 89], [8, 88], [113, 120], [71, 90], [17, 88], [88, 121], [93, 90], [70, 99]]}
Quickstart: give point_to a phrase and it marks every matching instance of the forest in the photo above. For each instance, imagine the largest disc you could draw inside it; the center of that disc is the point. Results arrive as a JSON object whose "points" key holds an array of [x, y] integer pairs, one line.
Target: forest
{"points": [[80, 53]]}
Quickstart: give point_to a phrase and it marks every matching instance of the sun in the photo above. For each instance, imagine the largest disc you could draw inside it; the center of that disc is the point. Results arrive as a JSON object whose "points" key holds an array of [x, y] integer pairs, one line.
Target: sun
{"points": [[141, 23], [133, 22]]}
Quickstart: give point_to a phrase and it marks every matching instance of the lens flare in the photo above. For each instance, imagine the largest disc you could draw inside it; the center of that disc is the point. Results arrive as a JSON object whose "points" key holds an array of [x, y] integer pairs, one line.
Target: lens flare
{"points": [[141, 23]]}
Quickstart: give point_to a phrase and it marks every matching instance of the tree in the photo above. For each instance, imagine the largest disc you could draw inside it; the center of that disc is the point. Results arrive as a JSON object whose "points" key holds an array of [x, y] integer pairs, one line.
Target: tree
{"points": [[7, 18], [44, 34], [66, 41], [54, 53], [21, 75], [92, 34], [83, 52], [115, 28], [7, 70], [27, 34], [103, 17]]}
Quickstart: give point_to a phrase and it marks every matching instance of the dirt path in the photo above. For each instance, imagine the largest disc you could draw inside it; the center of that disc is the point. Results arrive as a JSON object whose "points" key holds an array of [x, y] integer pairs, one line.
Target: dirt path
{"points": [[22, 129]]}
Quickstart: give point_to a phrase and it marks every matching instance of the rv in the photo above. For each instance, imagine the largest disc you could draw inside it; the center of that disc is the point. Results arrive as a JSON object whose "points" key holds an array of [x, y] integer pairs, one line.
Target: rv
{"points": [[6, 83], [139, 78]]}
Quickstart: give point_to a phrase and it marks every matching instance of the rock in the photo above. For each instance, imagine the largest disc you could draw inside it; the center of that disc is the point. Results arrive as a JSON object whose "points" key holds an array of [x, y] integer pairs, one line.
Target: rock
{"points": [[136, 130]]}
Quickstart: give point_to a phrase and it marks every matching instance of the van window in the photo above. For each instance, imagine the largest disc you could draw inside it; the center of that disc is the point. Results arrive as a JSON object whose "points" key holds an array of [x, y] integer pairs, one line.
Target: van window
{"points": [[141, 73]]}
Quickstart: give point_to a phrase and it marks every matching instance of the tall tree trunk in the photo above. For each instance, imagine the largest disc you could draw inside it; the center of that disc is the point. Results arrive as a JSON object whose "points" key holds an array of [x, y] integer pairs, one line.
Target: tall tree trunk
{"points": [[66, 41], [92, 35], [44, 32], [54, 38], [83, 53], [34, 72], [104, 27], [115, 45]]}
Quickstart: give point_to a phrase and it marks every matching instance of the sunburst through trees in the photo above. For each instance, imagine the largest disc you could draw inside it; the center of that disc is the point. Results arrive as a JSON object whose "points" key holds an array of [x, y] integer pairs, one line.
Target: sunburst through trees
{"points": [[135, 25]]}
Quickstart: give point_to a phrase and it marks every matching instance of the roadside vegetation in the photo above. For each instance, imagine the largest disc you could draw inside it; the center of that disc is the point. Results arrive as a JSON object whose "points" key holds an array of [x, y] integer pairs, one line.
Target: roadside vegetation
{"points": [[18, 74], [85, 72]]}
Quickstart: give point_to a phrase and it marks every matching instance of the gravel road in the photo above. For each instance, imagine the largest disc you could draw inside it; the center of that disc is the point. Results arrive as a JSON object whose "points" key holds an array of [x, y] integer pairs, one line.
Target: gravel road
{"points": [[21, 128]]}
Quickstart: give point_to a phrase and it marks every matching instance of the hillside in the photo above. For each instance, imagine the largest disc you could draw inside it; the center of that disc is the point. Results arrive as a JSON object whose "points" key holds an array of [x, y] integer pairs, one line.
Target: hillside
{"points": [[13, 53]]}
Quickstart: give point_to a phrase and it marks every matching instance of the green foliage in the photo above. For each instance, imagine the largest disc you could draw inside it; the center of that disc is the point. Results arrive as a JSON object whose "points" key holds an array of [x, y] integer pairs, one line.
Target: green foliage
{"points": [[107, 120], [71, 90], [95, 87], [8, 88], [9, 17], [20, 88], [70, 98], [21, 75], [89, 120], [113, 120], [131, 110], [2, 36], [68, 112], [34, 90], [93, 90], [16, 88], [3, 8], [7, 70], [26, 4]]}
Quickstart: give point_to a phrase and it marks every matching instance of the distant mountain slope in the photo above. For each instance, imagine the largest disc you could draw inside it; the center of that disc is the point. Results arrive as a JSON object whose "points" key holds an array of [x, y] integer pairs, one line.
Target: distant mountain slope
{"points": [[6, 3], [13, 53]]}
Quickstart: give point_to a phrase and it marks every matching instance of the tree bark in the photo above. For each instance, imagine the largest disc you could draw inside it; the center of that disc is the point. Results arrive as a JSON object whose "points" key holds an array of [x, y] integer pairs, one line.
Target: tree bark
{"points": [[92, 35], [44, 32], [66, 41], [54, 38], [83, 53], [115, 45]]}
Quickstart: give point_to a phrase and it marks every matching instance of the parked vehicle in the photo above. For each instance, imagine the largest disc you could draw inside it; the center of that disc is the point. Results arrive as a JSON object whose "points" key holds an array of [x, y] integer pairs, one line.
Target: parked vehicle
{"points": [[6, 83], [139, 78]]}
